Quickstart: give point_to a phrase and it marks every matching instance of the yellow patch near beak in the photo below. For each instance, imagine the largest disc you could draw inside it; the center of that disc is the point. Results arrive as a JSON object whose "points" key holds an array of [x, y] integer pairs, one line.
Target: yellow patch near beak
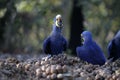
{"points": [[57, 24], [82, 39]]}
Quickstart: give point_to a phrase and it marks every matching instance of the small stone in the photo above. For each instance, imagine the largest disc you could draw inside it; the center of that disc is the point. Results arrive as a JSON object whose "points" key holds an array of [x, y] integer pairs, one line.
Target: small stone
{"points": [[114, 77], [27, 66], [38, 72], [18, 65], [97, 77], [48, 77], [59, 68], [53, 69], [53, 76], [43, 68], [37, 64], [82, 74], [64, 68], [44, 75], [48, 70], [60, 76], [42, 62]]}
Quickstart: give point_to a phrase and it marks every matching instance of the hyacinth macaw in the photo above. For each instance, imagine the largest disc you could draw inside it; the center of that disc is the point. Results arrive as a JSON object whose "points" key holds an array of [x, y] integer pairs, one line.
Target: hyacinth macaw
{"points": [[90, 51], [55, 43], [114, 47]]}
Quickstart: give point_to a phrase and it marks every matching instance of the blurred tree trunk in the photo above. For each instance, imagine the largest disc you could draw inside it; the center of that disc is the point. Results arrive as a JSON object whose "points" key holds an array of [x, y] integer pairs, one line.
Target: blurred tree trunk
{"points": [[6, 23], [3, 19], [76, 28], [2, 28]]}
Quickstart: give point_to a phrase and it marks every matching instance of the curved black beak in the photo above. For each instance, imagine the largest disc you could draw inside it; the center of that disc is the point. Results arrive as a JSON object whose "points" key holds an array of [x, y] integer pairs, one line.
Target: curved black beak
{"points": [[82, 39]]}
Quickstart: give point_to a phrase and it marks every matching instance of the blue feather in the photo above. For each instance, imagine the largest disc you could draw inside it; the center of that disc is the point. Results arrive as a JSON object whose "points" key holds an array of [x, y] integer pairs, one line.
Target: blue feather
{"points": [[90, 51], [55, 43], [114, 47]]}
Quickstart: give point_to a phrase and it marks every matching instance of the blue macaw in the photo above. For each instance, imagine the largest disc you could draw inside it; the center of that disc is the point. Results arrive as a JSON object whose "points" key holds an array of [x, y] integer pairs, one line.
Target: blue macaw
{"points": [[114, 47], [90, 51], [55, 43]]}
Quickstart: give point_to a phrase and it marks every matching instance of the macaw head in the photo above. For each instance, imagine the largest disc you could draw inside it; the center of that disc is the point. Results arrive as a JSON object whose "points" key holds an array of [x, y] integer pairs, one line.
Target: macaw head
{"points": [[86, 37], [58, 25], [58, 21]]}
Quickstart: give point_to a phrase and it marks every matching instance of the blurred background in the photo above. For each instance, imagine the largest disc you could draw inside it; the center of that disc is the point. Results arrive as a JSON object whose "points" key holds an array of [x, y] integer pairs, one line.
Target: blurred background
{"points": [[24, 24]]}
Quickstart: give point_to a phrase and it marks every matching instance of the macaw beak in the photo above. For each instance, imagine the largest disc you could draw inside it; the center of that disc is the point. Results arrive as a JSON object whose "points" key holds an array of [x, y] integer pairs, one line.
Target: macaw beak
{"points": [[59, 22], [82, 39]]}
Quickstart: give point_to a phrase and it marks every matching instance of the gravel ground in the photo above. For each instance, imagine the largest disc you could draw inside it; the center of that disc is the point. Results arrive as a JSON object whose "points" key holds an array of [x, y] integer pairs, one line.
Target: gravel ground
{"points": [[60, 67]]}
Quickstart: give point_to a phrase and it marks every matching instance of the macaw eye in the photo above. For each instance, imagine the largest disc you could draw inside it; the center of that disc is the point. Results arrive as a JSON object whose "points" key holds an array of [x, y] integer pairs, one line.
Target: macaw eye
{"points": [[59, 19]]}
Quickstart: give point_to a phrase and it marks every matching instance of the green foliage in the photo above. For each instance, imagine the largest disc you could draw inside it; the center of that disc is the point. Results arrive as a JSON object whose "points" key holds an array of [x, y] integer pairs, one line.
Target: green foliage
{"points": [[30, 21]]}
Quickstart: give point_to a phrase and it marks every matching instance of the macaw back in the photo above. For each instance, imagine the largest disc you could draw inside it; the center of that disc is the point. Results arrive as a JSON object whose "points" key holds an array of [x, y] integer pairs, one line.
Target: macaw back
{"points": [[114, 49], [92, 54], [99, 55]]}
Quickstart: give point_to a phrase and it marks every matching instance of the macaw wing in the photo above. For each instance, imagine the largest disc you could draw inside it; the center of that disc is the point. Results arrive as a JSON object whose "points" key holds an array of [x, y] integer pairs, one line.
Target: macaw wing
{"points": [[111, 46], [84, 54], [46, 46], [97, 54]]}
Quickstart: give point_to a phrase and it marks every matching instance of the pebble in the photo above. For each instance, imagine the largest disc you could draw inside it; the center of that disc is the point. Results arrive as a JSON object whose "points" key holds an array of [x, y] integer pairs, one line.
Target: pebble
{"points": [[58, 67]]}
